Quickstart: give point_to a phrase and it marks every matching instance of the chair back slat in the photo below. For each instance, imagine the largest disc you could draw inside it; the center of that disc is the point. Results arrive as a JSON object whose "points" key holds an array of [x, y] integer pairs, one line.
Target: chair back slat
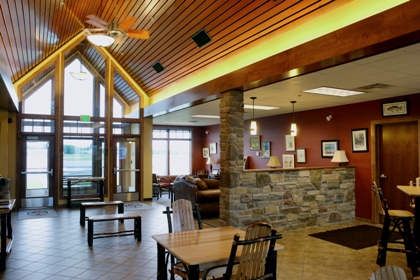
{"points": [[183, 218], [389, 273]]}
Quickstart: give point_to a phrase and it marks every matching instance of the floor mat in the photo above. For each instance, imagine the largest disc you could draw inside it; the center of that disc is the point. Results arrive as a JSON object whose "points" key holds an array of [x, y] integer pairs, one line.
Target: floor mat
{"points": [[135, 206], [357, 237], [25, 214]]}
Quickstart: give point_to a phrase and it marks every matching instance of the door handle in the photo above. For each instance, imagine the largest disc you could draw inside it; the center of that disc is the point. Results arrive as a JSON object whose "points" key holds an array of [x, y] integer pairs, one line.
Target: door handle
{"points": [[382, 176], [124, 170]]}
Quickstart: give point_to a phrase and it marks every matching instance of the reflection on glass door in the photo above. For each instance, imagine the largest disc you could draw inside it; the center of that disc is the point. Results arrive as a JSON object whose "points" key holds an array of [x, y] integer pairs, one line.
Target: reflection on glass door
{"points": [[37, 174], [126, 170]]}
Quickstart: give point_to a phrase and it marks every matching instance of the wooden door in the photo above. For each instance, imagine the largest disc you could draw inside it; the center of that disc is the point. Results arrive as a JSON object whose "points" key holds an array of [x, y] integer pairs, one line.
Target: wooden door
{"points": [[398, 160]]}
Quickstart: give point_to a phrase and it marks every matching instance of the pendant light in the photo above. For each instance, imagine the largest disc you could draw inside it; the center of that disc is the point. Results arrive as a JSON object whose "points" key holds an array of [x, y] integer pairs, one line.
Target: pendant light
{"points": [[253, 129], [81, 76], [293, 128]]}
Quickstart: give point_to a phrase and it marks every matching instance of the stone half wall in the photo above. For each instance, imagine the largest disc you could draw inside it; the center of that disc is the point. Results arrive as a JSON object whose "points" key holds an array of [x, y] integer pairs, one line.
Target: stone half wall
{"points": [[290, 199]]}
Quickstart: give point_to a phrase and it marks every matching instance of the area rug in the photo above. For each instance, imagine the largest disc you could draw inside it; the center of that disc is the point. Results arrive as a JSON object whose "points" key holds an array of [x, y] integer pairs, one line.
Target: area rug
{"points": [[357, 237], [25, 214], [135, 206]]}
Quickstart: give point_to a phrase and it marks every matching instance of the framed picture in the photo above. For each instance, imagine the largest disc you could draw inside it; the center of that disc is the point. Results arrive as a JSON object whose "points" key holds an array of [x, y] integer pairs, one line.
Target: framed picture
{"points": [[290, 143], [254, 142], [395, 108], [213, 148], [328, 148], [359, 140], [288, 161], [265, 149], [301, 155], [205, 152]]}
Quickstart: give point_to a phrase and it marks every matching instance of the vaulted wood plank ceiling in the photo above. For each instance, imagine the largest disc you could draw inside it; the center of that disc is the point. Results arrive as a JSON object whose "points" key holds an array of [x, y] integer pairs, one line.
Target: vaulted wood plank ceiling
{"points": [[31, 30]]}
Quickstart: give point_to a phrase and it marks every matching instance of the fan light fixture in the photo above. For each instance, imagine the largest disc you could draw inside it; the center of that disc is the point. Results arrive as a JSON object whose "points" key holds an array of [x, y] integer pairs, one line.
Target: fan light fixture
{"points": [[253, 128], [81, 76], [293, 127], [101, 40]]}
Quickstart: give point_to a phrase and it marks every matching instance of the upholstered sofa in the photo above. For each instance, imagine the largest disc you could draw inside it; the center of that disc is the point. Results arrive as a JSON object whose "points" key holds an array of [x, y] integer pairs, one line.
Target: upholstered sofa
{"points": [[204, 192]]}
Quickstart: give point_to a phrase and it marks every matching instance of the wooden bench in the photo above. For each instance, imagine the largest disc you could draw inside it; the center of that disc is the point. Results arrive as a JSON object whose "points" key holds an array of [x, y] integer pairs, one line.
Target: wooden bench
{"points": [[84, 205], [112, 217]]}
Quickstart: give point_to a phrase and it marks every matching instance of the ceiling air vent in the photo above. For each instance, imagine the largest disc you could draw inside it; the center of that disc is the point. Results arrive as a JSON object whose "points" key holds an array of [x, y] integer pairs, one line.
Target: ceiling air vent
{"points": [[201, 38], [373, 87], [158, 67]]}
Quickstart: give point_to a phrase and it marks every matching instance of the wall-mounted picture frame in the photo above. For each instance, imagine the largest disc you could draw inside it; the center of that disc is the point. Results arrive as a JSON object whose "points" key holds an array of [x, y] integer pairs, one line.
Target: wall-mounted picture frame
{"points": [[213, 149], [328, 148], [254, 143], [301, 155], [265, 148], [288, 161], [290, 143], [206, 153], [359, 140], [399, 108]]}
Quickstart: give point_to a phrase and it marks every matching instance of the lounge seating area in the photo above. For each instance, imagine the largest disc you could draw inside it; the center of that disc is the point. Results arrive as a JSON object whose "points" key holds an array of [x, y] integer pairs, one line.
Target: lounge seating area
{"points": [[201, 191], [57, 249]]}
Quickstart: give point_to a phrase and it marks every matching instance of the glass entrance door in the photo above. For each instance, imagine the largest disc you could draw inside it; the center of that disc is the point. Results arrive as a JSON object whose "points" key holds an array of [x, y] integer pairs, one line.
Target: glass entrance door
{"points": [[37, 171], [126, 169]]}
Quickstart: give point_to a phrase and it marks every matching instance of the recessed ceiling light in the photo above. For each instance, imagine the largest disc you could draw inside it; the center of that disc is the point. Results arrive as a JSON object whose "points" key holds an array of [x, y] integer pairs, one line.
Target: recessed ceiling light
{"points": [[259, 107], [334, 91], [206, 116]]}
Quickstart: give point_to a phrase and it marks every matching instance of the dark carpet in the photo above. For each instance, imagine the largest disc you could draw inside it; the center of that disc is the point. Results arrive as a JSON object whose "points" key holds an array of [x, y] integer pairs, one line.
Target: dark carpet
{"points": [[357, 237]]}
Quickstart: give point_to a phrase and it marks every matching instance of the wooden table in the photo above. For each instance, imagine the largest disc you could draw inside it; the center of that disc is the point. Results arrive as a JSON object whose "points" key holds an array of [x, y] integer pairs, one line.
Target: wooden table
{"points": [[6, 232], [76, 180], [199, 248], [414, 192]]}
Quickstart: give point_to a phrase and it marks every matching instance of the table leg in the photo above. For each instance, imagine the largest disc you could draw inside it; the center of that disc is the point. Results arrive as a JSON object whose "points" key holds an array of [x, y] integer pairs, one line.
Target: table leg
{"points": [[416, 226], [101, 189], [3, 242], [161, 266], [193, 272], [82, 215]]}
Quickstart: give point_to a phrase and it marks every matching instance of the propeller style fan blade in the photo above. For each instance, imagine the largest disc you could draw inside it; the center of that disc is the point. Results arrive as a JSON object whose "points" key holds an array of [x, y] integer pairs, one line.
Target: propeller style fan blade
{"points": [[97, 19], [97, 24], [127, 23], [139, 34]]}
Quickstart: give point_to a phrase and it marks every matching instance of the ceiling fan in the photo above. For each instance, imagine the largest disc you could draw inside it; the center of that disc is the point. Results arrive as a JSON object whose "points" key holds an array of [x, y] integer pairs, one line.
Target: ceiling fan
{"points": [[106, 33]]}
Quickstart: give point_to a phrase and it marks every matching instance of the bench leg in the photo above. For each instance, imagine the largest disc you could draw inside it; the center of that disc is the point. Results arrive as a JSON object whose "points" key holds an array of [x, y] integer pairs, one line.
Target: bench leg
{"points": [[121, 211], [137, 228], [90, 233], [82, 215]]}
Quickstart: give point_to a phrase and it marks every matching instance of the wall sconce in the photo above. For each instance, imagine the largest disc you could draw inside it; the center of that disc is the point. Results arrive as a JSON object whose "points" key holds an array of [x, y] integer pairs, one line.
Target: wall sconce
{"points": [[211, 161], [340, 156], [273, 162], [293, 127], [253, 128], [329, 118]]}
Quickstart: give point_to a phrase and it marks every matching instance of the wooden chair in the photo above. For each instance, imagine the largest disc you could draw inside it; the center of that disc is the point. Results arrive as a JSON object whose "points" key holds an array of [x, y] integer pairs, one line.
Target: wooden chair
{"points": [[388, 273], [182, 220], [256, 255], [155, 186], [165, 185], [395, 220]]}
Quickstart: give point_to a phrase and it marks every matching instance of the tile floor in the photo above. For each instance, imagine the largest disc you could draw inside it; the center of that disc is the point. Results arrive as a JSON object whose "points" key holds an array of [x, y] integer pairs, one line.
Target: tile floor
{"points": [[56, 248]]}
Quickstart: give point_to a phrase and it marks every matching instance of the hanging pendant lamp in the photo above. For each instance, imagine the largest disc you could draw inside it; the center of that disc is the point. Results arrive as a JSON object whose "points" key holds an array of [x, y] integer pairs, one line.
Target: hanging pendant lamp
{"points": [[293, 128], [81, 76], [253, 128]]}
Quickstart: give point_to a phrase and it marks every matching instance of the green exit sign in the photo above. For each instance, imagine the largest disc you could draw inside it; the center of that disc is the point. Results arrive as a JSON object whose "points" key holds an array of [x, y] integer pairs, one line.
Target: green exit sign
{"points": [[85, 118]]}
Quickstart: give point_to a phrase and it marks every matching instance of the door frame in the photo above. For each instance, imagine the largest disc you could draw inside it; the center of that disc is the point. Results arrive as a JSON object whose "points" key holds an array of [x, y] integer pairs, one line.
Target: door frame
{"points": [[52, 190], [374, 126], [113, 181]]}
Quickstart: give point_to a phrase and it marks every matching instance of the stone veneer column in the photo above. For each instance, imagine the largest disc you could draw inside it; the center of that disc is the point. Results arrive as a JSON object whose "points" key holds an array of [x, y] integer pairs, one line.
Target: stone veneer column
{"points": [[231, 153]]}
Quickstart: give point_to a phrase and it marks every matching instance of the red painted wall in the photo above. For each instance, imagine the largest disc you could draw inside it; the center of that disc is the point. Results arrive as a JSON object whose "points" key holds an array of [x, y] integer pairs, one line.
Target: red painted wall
{"points": [[312, 128]]}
